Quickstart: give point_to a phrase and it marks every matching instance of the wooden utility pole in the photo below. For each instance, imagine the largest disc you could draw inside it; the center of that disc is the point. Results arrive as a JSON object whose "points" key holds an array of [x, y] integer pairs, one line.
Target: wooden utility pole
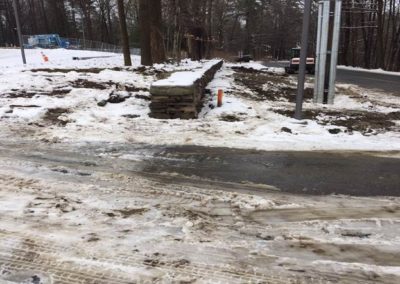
{"points": [[124, 33]]}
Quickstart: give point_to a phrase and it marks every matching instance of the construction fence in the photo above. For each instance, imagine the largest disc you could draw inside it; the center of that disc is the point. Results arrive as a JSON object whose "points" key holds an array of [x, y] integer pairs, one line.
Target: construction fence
{"points": [[54, 41]]}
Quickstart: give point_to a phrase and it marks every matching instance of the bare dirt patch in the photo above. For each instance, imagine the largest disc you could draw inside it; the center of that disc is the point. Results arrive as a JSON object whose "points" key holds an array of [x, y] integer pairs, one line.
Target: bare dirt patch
{"points": [[80, 70], [130, 88], [126, 213], [267, 86], [86, 84], [23, 106], [147, 71], [20, 94], [366, 122], [230, 118], [354, 93], [59, 93], [273, 87], [242, 69], [30, 94], [82, 83], [54, 116]]}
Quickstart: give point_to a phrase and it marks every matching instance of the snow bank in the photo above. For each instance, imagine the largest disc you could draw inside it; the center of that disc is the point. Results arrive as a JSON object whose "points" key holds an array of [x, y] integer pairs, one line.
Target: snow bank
{"points": [[376, 71]]}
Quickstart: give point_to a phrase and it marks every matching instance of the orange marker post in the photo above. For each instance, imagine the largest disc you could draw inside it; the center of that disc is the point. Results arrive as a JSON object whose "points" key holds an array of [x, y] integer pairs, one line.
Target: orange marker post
{"points": [[220, 97], [45, 58]]}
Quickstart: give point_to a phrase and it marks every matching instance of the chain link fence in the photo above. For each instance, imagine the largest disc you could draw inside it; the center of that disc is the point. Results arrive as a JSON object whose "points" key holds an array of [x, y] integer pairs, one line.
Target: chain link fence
{"points": [[54, 41]]}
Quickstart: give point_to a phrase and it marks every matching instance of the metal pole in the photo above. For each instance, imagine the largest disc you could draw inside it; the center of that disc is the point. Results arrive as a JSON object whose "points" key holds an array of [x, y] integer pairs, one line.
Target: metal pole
{"points": [[323, 51], [318, 52], [21, 41], [303, 59], [335, 51]]}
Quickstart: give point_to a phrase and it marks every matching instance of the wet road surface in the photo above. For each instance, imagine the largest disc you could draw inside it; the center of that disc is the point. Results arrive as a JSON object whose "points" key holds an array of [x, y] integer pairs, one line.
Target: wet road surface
{"points": [[374, 81], [383, 82], [296, 172], [316, 173]]}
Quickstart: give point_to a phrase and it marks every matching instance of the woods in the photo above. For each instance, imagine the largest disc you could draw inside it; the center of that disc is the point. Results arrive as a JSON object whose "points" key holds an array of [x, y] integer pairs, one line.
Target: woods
{"points": [[265, 29], [371, 34]]}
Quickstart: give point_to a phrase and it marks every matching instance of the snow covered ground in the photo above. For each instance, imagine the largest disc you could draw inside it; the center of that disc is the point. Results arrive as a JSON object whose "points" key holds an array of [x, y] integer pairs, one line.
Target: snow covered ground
{"points": [[11, 60], [70, 216], [67, 216], [62, 105]]}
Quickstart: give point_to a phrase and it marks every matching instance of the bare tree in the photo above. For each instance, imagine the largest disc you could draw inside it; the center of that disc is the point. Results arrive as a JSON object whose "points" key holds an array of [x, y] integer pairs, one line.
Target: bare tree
{"points": [[124, 33]]}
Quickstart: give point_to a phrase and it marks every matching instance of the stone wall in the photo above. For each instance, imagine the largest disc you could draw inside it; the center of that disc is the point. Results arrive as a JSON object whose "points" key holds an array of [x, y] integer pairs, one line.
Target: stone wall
{"points": [[185, 102]]}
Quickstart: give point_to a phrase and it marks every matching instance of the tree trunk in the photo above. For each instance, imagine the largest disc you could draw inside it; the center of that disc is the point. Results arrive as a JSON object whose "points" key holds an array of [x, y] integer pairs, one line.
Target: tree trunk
{"points": [[157, 42], [152, 44], [177, 40], [110, 23], [380, 55], [145, 30], [209, 42], [44, 15], [346, 40], [32, 14], [87, 18], [124, 33]]}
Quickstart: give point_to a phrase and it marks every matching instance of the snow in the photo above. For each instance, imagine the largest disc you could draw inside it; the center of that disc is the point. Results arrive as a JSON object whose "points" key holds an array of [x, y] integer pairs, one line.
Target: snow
{"points": [[180, 79], [367, 269], [58, 58], [375, 71], [242, 122], [214, 229], [259, 67], [185, 79], [78, 222]]}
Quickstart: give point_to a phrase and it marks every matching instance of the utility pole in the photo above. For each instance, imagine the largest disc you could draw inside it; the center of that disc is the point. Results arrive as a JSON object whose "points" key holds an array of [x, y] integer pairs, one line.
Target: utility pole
{"points": [[334, 50], [327, 50], [303, 59], [21, 41], [322, 50]]}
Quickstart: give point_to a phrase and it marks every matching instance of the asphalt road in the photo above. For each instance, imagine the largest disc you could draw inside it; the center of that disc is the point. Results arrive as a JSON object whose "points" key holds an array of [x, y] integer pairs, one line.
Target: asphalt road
{"points": [[382, 82], [315, 173]]}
